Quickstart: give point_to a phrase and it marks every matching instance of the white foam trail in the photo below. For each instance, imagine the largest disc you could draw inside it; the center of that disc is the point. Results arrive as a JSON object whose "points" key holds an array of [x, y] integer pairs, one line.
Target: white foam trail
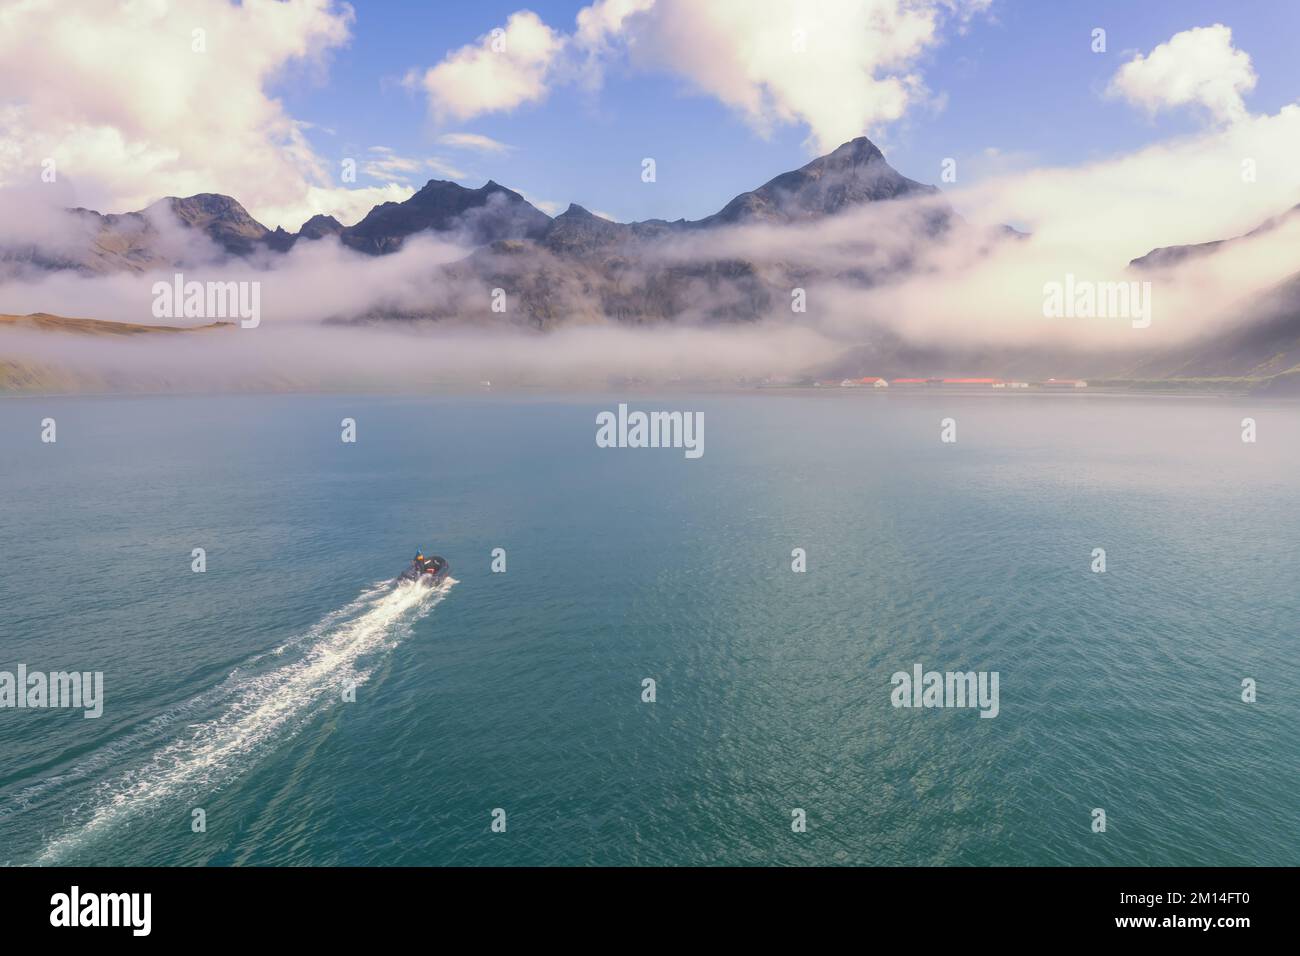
{"points": [[261, 706], [157, 727]]}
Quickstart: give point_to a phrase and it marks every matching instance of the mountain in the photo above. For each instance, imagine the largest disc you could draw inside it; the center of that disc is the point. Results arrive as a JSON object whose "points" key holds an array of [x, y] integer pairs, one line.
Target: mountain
{"points": [[855, 173], [98, 245], [220, 218], [478, 216], [575, 267], [579, 232], [155, 238], [1263, 347], [1172, 255], [318, 227]]}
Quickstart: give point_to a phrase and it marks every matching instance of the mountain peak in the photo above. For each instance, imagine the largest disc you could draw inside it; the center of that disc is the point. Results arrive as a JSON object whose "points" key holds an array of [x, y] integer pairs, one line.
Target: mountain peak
{"points": [[479, 216], [318, 226], [216, 204], [859, 150], [852, 174], [435, 186], [222, 218], [577, 230]]}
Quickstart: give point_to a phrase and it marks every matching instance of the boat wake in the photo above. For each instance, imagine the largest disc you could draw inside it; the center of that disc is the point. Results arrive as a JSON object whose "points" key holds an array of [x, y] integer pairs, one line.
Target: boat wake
{"points": [[267, 699]]}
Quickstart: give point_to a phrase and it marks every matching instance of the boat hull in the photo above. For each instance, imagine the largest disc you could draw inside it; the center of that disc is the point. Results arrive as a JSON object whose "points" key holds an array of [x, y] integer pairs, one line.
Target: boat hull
{"points": [[434, 573]]}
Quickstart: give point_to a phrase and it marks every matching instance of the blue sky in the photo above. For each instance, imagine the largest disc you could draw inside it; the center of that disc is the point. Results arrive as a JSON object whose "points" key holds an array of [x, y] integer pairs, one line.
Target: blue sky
{"points": [[1021, 79]]}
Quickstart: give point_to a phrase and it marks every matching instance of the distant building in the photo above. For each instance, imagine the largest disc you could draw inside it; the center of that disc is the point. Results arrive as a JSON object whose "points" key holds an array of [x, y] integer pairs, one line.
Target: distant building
{"points": [[909, 381], [870, 381], [972, 381], [1065, 383]]}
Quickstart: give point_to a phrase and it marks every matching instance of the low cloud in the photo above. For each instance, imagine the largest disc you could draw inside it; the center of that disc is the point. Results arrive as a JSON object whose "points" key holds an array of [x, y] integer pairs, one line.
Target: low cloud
{"points": [[874, 278]]}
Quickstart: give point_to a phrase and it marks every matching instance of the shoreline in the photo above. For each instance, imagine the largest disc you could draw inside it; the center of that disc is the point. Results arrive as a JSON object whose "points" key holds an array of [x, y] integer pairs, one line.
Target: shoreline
{"points": [[648, 390]]}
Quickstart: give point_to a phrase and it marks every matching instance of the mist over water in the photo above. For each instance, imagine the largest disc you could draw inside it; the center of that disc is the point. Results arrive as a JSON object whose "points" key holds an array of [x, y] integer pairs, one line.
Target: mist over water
{"points": [[522, 690]]}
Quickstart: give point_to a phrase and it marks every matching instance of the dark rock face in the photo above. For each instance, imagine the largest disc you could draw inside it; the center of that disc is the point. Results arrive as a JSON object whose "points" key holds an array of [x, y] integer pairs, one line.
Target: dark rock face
{"points": [[221, 218], [853, 174], [578, 266], [479, 216], [1172, 255], [318, 227], [280, 241], [577, 232], [1265, 343]]}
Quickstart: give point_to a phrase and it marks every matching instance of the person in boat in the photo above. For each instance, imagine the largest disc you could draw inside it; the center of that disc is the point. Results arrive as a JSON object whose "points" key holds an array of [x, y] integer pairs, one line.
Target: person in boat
{"points": [[420, 561]]}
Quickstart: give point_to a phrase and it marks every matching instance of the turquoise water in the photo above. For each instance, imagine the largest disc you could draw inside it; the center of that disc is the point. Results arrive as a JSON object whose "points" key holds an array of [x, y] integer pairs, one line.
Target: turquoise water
{"points": [[522, 690]]}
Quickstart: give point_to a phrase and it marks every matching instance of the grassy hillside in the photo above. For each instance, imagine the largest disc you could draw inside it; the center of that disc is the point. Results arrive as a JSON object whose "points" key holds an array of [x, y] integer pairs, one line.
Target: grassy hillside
{"points": [[46, 322]]}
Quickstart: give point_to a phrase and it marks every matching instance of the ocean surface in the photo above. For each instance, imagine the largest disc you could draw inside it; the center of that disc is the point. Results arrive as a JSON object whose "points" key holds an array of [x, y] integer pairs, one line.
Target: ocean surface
{"points": [[522, 691]]}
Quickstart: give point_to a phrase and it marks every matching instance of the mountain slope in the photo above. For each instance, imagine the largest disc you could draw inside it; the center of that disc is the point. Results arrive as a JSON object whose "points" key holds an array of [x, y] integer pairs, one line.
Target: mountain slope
{"points": [[44, 322], [1173, 255], [853, 174], [478, 216], [1264, 344], [220, 218], [577, 266]]}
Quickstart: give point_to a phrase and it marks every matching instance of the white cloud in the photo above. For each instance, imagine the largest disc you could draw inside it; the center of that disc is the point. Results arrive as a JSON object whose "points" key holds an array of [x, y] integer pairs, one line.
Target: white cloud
{"points": [[474, 141], [116, 94], [843, 68], [1198, 67], [388, 166], [503, 70], [604, 18]]}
